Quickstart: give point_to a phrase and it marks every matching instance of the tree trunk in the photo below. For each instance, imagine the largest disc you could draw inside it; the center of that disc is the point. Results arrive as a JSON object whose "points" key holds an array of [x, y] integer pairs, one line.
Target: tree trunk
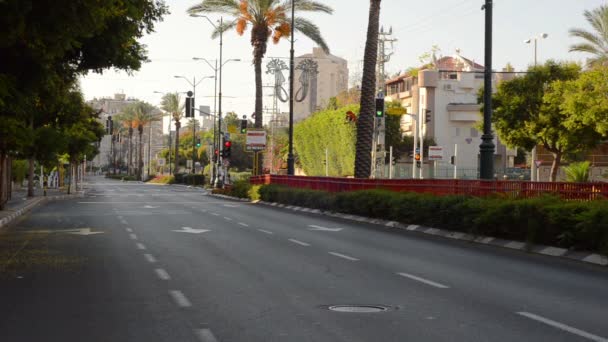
{"points": [[557, 159], [177, 127], [140, 163], [258, 91], [3, 180], [130, 166], [30, 178], [365, 123]]}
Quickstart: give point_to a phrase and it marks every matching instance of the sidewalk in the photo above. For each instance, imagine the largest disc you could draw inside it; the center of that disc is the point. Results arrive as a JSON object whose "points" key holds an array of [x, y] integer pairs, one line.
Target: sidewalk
{"points": [[20, 204]]}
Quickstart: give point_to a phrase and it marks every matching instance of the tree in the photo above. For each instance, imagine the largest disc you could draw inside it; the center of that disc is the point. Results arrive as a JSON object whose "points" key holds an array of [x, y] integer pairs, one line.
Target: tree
{"points": [[594, 42], [365, 123], [126, 119], [145, 114], [172, 105], [268, 18], [530, 110]]}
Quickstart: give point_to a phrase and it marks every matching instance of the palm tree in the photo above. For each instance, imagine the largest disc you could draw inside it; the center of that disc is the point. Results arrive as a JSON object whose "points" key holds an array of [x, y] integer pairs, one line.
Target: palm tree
{"points": [[365, 123], [268, 18], [127, 120], [145, 114], [172, 105], [596, 41]]}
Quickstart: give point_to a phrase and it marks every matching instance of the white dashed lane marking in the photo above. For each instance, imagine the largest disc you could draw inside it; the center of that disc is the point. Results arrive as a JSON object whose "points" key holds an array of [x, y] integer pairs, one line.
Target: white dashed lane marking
{"points": [[205, 335], [150, 258], [162, 274], [563, 327], [243, 224], [133, 236], [180, 299], [298, 242], [343, 256], [265, 231], [422, 280], [140, 246]]}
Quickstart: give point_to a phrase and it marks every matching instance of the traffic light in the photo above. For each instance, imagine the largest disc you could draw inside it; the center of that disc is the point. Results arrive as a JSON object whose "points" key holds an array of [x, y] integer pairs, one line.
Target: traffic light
{"points": [[417, 156], [418, 164], [215, 154], [427, 116], [198, 142], [379, 108], [453, 160], [189, 107], [243, 126], [227, 146]]}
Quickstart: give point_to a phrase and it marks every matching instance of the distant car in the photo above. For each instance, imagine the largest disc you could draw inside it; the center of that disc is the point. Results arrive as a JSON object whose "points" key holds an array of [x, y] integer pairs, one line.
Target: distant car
{"points": [[517, 173]]}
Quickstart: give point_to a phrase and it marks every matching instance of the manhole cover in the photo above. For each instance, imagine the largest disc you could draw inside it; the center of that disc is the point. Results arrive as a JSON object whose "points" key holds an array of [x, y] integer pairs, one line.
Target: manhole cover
{"points": [[358, 308]]}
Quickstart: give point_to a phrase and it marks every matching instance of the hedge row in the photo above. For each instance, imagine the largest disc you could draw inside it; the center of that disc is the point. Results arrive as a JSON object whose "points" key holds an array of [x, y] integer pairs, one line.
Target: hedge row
{"points": [[541, 220], [121, 177], [189, 179]]}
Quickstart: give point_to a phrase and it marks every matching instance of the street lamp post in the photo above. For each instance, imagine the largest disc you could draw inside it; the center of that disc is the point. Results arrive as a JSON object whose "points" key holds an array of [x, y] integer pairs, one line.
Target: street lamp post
{"points": [[193, 84], [220, 28], [487, 147], [533, 168], [290, 157], [216, 133]]}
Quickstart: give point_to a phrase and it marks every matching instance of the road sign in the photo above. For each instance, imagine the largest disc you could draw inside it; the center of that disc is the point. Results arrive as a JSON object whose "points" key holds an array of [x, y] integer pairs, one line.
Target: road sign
{"points": [[256, 140], [232, 129], [435, 152], [538, 163], [418, 150]]}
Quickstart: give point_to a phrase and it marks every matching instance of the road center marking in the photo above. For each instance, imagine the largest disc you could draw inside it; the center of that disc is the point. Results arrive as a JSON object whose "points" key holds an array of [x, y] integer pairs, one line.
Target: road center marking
{"points": [[162, 274], [343, 256], [265, 231], [150, 258], [299, 242], [422, 280], [180, 299], [563, 327]]}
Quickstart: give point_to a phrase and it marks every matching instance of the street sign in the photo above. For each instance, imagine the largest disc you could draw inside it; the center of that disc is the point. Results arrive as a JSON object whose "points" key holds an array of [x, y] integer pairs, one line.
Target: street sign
{"points": [[161, 161], [538, 163], [232, 129], [256, 140], [435, 152]]}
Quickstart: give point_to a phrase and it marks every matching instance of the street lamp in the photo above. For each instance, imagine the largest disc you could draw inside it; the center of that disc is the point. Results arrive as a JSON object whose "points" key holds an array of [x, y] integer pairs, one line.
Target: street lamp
{"points": [[193, 84], [216, 140], [290, 158], [221, 29], [533, 168]]}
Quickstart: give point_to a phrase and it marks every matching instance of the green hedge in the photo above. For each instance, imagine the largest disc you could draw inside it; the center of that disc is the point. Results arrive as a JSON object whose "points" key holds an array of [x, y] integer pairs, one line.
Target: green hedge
{"points": [[542, 220], [122, 177]]}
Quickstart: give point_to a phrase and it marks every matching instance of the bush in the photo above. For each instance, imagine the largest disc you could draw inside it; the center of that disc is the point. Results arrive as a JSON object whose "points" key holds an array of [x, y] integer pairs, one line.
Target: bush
{"points": [[541, 220], [179, 178], [196, 179], [125, 178], [166, 179], [240, 188]]}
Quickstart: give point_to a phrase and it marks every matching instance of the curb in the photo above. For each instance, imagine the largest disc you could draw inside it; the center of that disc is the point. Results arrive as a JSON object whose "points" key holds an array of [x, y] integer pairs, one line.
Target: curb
{"points": [[38, 200], [586, 257]]}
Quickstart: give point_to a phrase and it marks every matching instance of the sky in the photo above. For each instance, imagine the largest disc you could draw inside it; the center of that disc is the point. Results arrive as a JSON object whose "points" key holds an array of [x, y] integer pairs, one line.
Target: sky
{"points": [[417, 25]]}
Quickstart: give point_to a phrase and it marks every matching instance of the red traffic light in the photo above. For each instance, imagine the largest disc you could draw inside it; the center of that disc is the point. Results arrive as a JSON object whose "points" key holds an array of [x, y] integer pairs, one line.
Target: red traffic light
{"points": [[227, 143], [217, 152]]}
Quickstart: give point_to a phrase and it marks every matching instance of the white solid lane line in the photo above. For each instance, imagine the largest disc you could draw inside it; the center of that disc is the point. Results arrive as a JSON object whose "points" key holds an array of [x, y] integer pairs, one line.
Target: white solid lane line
{"points": [[343, 256], [265, 231], [422, 280], [299, 242], [563, 327], [180, 299], [150, 258], [162, 274], [133, 236], [140, 246], [205, 335]]}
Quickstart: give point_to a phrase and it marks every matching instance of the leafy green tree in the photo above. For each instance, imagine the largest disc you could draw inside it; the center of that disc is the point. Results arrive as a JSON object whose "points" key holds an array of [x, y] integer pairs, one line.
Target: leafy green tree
{"points": [[144, 114], [268, 18], [593, 42], [365, 123], [529, 111]]}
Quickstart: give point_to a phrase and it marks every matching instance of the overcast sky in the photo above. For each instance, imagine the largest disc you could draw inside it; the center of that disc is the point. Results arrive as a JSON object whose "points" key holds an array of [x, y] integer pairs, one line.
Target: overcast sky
{"points": [[418, 25]]}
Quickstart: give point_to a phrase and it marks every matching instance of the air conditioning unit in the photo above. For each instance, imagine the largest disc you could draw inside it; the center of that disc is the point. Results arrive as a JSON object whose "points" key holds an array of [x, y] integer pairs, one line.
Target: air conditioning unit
{"points": [[449, 87]]}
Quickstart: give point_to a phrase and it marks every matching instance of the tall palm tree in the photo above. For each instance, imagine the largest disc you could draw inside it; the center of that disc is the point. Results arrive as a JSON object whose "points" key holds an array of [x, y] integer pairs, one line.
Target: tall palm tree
{"points": [[127, 119], [173, 106], [268, 18], [365, 123], [594, 42], [145, 114]]}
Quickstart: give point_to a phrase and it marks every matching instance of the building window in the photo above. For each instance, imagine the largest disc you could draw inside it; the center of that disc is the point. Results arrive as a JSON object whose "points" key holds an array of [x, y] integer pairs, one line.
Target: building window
{"points": [[474, 133], [457, 131]]}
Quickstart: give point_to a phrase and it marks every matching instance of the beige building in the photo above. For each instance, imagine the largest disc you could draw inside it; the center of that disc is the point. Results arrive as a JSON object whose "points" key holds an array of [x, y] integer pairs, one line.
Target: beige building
{"points": [[446, 96], [332, 78]]}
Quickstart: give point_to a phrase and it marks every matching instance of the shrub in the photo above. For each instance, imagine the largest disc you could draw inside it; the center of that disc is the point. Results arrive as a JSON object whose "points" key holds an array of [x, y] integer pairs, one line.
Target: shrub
{"points": [[196, 179], [166, 179], [578, 172], [542, 220], [179, 178], [240, 188]]}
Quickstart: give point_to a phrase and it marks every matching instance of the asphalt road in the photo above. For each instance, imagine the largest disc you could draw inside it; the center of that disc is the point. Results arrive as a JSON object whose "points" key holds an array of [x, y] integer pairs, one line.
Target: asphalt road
{"points": [[135, 262]]}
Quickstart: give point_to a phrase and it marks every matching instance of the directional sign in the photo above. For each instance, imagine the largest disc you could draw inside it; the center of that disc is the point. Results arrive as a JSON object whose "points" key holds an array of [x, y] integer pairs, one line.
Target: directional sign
{"points": [[191, 231], [324, 229], [256, 140], [78, 231], [538, 163], [435, 152]]}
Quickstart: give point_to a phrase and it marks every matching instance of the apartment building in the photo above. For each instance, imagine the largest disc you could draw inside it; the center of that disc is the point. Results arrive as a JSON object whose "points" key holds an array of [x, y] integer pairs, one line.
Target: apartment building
{"points": [[447, 93]]}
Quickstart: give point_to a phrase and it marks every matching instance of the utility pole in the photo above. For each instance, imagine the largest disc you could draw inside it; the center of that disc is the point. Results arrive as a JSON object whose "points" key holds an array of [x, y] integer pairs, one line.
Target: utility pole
{"points": [[487, 147], [384, 56]]}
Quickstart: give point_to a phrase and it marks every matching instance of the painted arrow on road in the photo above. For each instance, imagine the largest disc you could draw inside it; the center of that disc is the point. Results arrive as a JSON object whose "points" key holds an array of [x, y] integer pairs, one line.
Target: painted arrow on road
{"points": [[191, 231], [324, 229], [79, 231]]}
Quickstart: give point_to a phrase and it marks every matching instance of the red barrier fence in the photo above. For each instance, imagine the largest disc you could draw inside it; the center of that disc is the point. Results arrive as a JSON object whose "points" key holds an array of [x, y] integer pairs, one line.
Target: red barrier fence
{"points": [[511, 189]]}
